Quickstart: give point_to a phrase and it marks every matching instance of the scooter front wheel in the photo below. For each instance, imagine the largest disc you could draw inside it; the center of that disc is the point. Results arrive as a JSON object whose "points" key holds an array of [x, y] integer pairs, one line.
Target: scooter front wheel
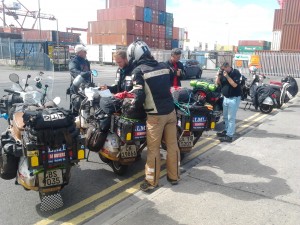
{"points": [[118, 168], [266, 109]]}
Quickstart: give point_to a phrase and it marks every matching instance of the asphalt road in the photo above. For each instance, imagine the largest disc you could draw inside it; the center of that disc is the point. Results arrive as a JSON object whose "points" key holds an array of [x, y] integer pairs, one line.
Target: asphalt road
{"points": [[93, 187]]}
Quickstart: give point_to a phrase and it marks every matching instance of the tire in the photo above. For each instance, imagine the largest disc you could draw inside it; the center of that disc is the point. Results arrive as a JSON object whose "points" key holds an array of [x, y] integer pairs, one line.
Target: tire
{"points": [[103, 159], [197, 135], [8, 166], [118, 168], [199, 74], [266, 109]]}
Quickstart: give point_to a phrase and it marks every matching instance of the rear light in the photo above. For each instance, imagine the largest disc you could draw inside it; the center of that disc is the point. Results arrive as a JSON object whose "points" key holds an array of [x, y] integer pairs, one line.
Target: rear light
{"points": [[212, 125], [187, 125], [81, 154], [273, 96]]}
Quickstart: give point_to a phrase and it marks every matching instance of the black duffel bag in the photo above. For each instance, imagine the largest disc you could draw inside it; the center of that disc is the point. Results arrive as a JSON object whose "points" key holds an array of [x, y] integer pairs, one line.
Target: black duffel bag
{"points": [[48, 118]]}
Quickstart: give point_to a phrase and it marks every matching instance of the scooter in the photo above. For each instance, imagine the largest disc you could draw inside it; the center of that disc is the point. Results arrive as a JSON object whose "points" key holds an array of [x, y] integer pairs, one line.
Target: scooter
{"points": [[41, 143]]}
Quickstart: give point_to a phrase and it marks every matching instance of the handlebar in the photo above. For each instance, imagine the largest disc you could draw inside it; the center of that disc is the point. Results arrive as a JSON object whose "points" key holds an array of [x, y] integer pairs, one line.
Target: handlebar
{"points": [[12, 92]]}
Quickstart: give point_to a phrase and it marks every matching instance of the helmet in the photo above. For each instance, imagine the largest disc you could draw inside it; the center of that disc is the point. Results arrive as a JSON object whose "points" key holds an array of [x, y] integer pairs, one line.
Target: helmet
{"points": [[137, 50], [253, 69]]}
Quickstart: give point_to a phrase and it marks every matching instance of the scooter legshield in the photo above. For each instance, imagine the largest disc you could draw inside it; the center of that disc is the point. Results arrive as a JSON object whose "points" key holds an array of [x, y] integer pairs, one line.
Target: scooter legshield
{"points": [[268, 101]]}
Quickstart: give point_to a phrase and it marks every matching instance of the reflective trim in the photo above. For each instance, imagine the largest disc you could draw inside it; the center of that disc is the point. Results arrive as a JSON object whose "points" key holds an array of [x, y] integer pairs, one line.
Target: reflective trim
{"points": [[149, 177], [150, 170], [156, 73]]}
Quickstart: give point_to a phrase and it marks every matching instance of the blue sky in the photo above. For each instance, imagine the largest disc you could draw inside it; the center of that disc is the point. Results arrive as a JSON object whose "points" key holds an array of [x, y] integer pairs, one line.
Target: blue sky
{"points": [[207, 21]]}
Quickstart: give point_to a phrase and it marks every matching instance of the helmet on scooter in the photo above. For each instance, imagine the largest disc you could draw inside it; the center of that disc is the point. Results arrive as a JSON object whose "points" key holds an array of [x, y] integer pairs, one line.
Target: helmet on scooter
{"points": [[137, 50], [252, 69]]}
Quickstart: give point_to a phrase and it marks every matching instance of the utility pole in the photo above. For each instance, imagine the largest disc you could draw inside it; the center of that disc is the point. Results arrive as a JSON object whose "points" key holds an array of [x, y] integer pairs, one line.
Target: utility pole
{"points": [[3, 11], [40, 19]]}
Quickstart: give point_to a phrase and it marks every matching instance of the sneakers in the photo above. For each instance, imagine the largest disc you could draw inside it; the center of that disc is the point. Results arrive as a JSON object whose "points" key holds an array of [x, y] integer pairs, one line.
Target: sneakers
{"points": [[173, 182], [226, 139], [145, 186], [221, 134]]}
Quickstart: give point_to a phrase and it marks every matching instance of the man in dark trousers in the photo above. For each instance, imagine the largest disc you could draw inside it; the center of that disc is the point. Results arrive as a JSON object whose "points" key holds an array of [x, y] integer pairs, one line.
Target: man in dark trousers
{"points": [[176, 68], [229, 79], [151, 85]]}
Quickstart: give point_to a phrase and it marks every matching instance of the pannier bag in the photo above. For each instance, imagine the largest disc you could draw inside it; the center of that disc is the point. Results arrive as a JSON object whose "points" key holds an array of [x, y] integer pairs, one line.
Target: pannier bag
{"points": [[183, 95], [48, 118], [110, 105], [95, 138]]}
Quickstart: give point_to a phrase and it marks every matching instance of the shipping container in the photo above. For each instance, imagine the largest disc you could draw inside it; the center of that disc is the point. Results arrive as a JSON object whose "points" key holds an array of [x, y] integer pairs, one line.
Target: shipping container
{"points": [[276, 41], [149, 41], [154, 4], [34, 35], [162, 5], [252, 43], [162, 18], [112, 27], [113, 39], [174, 44], [169, 19], [169, 32], [14, 30], [155, 16], [10, 35], [291, 13], [126, 12], [278, 19], [148, 15], [249, 48], [154, 30], [147, 29], [155, 42], [161, 43], [290, 40], [180, 44], [168, 44], [161, 31], [176, 33], [181, 33]]}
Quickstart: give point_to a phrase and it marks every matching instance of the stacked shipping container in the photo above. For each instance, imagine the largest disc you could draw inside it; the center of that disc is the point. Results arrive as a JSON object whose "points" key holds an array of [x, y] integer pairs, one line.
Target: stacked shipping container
{"points": [[128, 20], [250, 46]]}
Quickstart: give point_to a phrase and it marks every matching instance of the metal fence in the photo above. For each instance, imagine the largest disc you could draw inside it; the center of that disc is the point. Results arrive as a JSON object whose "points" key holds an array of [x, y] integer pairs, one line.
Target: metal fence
{"points": [[279, 63], [7, 48]]}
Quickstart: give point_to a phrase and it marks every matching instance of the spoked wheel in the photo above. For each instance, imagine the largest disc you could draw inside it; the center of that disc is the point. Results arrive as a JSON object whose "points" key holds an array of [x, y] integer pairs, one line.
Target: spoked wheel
{"points": [[118, 168], [266, 109]]}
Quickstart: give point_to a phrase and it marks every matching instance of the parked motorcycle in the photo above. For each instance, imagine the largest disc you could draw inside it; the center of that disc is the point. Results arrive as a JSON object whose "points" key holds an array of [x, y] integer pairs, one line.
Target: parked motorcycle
{"points": [[41, 143], [117, 137], [207, 92]]}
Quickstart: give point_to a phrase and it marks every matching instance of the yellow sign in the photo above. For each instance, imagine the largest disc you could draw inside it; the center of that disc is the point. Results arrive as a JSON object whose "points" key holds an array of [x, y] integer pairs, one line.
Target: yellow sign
{"points": [[255, 60], [239, 63]]}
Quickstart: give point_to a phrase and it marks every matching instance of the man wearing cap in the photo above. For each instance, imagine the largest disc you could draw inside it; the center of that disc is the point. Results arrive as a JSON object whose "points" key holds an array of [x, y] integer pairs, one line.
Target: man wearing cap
{"points": [[78, 66], [176, 67]]}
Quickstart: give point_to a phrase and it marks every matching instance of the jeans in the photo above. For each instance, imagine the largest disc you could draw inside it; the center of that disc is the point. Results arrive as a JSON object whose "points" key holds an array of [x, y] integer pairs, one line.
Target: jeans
{"points": [[230, 107]]}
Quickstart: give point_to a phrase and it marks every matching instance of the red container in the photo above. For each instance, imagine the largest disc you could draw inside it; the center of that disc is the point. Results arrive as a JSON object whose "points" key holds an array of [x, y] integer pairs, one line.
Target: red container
{"points": [[34, 35], [252, 43], [155, 42], [113, 27], [161, 43], [292, 12], [113, 39], [176, 33], [139, 28], [155, 16], [162, 5], [142, 3], [168, 44], [126, 12], [161, 31], [154, 30], [278, 20], [147, 29], [290, 40], [149, 41]]}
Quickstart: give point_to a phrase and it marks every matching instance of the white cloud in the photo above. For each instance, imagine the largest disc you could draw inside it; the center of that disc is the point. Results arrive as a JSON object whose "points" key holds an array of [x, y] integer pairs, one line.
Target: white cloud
{"points": [[221, 21]]}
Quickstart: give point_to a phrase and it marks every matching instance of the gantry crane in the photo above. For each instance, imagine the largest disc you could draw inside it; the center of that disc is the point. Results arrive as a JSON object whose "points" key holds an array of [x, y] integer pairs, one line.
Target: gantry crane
{"points": [[19, 10]]}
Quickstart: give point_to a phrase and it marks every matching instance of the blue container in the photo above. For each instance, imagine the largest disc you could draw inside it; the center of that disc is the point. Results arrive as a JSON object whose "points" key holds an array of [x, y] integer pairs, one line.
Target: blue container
{"points": [[148, 15], [162, 18], [169, 19], [175, 44], [169, 32]]}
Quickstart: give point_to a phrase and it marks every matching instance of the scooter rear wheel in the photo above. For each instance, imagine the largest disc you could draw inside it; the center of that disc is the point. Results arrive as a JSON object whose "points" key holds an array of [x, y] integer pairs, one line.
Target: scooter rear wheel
{"points": [[118, 168], [266, 109]]}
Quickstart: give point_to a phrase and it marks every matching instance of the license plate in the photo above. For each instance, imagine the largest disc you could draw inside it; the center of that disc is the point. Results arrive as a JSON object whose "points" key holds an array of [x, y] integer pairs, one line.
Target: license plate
{"points": [[185, 142], [52, 178], [128, 151]]}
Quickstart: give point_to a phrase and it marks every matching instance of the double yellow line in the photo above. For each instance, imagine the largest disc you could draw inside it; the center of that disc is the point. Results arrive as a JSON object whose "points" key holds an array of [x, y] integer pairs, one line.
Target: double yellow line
{"points": [[130, 191]]}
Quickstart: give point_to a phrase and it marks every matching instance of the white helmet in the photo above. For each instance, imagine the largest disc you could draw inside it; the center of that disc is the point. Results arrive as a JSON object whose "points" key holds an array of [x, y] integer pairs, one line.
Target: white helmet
{"points": [[252, 69], [79, 48], [137, 50]]}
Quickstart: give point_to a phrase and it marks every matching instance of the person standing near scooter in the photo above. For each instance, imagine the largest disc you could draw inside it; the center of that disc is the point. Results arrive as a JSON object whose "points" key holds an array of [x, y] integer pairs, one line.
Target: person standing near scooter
{"points": [[151, 85], [229, 79]]}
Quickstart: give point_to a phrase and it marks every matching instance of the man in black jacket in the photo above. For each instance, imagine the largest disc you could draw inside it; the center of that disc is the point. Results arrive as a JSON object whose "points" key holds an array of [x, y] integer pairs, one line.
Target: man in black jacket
{"points": [[229, 79], [123, 80], [78, 66], [151, 84], [176, 68]]}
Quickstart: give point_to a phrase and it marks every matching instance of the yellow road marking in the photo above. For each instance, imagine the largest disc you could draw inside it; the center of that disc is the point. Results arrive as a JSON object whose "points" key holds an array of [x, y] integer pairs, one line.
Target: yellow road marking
{"points": [[108, 203], [126, 193]]}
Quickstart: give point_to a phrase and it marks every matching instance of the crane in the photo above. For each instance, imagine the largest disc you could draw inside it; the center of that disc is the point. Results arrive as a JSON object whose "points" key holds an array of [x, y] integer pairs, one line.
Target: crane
{"points": [[19, 10]]}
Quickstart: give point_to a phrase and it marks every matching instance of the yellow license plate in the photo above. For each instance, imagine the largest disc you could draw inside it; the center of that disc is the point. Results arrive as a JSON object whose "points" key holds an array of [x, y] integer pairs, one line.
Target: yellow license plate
{"points": [[52, 178]]}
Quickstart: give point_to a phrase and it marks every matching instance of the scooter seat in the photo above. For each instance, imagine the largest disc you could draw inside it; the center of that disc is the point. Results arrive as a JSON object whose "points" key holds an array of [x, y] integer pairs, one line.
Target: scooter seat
{"points": [[17, 124], [274, 86]]}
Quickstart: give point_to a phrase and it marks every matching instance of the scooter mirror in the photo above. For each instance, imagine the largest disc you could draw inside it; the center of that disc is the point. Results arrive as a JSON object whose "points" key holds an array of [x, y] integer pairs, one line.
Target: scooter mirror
{"points": [[94, 73], [14, 78], [57, 100]]}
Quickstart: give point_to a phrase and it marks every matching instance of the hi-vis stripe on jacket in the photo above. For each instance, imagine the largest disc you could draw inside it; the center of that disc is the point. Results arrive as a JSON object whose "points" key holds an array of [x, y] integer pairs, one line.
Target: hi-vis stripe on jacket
{"points": [[152, 79]]}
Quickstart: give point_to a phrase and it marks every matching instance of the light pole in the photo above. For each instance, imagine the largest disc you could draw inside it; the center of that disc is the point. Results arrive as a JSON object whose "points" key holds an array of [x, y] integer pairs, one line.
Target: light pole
{"points": [[40, 19]]}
